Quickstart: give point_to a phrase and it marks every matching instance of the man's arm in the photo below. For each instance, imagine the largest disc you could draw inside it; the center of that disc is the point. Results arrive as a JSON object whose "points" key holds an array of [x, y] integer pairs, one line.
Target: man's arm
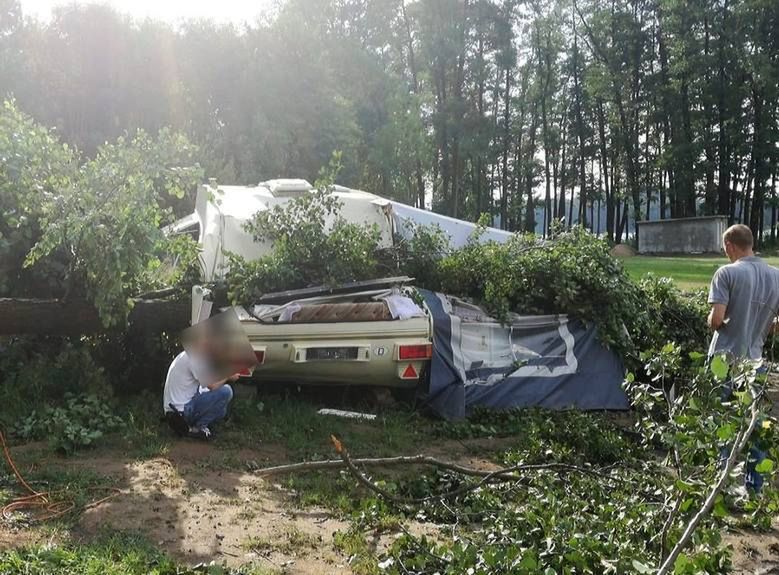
{"points": [[719, 296], [220, 383], [717, 315]]}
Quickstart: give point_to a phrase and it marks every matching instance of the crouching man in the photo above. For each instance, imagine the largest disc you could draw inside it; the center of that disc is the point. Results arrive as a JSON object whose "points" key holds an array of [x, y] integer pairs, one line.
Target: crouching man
{"points": [[190, 401]]}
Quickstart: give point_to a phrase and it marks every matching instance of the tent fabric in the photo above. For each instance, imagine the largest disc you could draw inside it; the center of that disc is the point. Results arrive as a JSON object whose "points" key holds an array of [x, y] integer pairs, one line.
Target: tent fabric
{"points": [[459, 231], [222, 211], [551, 361]]}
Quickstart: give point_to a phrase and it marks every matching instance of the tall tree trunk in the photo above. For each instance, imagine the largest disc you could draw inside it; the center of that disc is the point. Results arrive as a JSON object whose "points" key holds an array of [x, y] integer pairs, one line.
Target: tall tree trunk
{"points": [[506, 143], [605, 168], [545, 128], [668, 126], [577, 90], [477, 180], [710, 195], [530, 212], [457, 120], [758, 161], [723, 186], [630, 163], [412, 66], [563, 169]]}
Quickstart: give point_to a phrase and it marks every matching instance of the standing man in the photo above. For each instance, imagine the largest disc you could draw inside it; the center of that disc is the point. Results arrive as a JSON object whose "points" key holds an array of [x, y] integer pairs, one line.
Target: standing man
{"points": [[192, 403], [744, 299]]}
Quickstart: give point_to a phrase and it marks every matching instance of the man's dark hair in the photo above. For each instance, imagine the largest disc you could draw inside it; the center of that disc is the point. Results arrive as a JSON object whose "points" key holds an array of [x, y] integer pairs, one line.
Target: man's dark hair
{"points": [[740, 236]]}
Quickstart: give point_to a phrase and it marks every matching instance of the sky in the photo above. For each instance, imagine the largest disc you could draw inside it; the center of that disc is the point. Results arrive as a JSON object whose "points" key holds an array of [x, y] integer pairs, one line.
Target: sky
{"points": [[236, 11]]}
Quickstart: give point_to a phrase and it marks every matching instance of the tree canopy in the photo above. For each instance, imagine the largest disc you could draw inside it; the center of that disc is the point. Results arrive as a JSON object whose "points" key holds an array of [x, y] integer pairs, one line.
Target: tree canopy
{"points": [[597, 112]]}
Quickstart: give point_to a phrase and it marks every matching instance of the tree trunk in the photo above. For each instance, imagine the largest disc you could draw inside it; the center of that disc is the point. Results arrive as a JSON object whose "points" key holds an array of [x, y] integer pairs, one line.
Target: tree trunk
{"points": [[506, 146], [412, 66], [723, 186], [563, 172], [545, 128], [53, 317], [530, 212], [579, 129], [605, 169], [758, 160]]}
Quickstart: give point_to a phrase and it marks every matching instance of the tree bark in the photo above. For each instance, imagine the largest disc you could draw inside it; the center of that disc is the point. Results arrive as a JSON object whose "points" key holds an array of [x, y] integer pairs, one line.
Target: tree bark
{"points": [[78, 317], [580, 131], [506, 148]]}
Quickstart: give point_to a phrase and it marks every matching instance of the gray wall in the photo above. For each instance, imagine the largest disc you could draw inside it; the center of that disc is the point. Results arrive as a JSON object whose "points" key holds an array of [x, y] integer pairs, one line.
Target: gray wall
{"points": [[682, 235]]}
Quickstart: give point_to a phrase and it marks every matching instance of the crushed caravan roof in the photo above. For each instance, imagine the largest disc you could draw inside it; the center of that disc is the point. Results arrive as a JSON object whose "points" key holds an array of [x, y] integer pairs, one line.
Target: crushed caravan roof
{"points": [[221, 212]]}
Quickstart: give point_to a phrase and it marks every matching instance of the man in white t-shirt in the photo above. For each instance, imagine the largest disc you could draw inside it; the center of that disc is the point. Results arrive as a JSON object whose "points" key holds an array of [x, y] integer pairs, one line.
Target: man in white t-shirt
{"points": [[190, 402]]}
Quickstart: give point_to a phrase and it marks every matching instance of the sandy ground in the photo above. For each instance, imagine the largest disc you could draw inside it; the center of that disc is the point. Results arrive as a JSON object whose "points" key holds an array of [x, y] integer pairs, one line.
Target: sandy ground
{"points": [[199, 514], [199, 511]]}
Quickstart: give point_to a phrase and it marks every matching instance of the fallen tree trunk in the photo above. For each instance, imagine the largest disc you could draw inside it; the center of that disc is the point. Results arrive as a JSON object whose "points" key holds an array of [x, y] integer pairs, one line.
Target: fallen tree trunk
{"points": [[78, 317]]}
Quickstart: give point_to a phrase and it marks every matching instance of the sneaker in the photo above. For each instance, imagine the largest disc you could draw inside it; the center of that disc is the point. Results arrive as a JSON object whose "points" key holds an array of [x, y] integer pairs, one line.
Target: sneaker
{"points": [[204, 434], [177, 422]]}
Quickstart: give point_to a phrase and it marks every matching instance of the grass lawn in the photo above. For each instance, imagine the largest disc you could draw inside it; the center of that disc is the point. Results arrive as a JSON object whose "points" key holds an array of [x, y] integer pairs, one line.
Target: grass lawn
{"points": [[689, 272]]}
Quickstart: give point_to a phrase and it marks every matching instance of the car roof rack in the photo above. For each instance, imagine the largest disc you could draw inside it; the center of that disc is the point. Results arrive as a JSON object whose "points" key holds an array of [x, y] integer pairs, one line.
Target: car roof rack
{"points": [[284, 296]]}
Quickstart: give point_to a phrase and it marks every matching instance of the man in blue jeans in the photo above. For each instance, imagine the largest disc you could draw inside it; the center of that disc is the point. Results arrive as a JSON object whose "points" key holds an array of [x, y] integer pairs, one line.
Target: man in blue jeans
{"points": [[744, 299], [190, 401]]}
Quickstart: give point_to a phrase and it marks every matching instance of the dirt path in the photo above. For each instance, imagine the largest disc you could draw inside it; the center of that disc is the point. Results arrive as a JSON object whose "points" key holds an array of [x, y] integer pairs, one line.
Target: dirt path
{"points": [[198, 512], [199, 505], [199, 508]]}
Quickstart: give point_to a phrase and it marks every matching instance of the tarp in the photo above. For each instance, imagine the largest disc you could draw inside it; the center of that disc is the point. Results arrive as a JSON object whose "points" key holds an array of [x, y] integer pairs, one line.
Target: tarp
{"points": [[549, 361], [459, 231]]}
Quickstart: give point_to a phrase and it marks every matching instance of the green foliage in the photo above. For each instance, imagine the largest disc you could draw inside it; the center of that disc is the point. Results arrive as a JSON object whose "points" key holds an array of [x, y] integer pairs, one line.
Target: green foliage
{"points": [[37, 371], [34, 166], [673, 315], [572, 274], [108, 218], [584, 436], [79, 423], [312, 245], [419, 255], [352, 543], [694, 412]]}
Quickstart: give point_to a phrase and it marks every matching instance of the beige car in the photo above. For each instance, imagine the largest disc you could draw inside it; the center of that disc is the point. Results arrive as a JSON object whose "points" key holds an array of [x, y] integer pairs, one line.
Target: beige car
{"points": [[376, 337]]}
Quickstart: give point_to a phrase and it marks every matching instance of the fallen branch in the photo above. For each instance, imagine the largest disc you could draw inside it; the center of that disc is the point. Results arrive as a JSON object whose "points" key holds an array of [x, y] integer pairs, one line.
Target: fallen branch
{"points": [[503, 474], [375, 462], [738, 446]]}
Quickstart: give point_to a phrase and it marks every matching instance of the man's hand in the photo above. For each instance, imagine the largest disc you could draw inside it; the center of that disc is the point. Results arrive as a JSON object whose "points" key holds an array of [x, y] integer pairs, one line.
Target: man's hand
{"points": [[717, 316], [221, 382]]}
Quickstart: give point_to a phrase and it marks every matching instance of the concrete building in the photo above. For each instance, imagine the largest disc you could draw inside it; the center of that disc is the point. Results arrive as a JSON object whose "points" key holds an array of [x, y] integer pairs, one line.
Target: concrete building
{"points": [[682, 235]]}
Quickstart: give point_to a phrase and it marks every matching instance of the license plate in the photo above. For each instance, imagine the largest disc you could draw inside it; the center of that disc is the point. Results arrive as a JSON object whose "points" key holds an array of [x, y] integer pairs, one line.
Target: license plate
{"points": [[331, 353]]}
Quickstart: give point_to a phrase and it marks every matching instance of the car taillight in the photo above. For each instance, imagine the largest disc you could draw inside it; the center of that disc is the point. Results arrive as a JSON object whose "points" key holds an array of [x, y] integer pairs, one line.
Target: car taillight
{"points": [[424, 351], [260, 355]]}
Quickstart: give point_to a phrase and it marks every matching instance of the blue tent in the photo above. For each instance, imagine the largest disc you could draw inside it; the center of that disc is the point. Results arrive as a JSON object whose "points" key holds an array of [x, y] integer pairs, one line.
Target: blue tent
{"points": [[549, 361]]}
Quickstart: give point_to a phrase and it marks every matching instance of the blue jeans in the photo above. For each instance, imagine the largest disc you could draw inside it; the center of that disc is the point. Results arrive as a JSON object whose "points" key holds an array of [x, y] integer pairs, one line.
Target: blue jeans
{"points": [[206, 408], [752, 478]]}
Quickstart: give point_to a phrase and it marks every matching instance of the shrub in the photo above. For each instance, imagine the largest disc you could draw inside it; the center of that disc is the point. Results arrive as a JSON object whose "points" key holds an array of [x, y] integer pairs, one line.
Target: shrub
{"points": [[34, 371], [80, 422], [673, 315]]}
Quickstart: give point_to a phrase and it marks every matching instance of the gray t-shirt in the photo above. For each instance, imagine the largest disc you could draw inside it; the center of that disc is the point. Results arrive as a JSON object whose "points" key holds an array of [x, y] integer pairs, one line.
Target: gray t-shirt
{"points": [[750, 290]]}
